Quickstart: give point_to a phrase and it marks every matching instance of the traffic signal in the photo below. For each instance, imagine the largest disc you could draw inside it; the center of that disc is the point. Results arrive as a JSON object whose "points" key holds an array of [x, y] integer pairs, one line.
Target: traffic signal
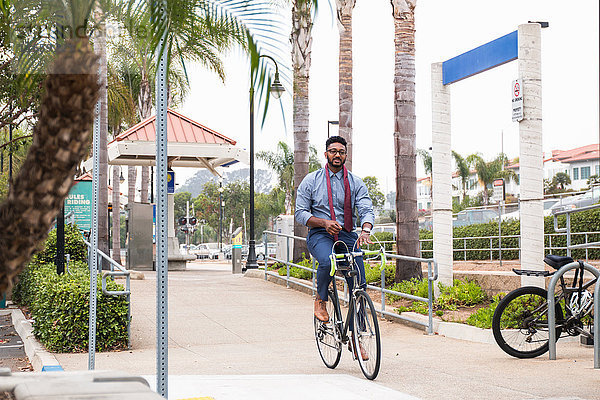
{"points": [[182, 221], [193, 220]]}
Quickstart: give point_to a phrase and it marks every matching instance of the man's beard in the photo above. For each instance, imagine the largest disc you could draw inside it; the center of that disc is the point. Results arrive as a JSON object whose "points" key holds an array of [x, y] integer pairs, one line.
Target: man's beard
{"points": [[330, 162]]}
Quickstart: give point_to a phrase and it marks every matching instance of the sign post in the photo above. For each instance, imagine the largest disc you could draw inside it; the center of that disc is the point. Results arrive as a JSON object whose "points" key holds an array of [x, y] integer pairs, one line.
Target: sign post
{"points": [[499, 195], [517, 100]]}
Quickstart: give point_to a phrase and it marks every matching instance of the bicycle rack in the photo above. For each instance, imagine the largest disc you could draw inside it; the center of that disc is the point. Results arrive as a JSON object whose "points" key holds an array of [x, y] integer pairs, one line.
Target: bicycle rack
{"points": [[552, 304], [597, 325]]}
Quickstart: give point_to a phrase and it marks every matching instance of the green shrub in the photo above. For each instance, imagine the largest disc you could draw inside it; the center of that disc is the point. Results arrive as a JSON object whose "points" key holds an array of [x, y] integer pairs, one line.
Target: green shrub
{"points": [[373, 272], [415, 286], [460, 294], [59, 305], [74, 246], [382, 237], [482, 318]]}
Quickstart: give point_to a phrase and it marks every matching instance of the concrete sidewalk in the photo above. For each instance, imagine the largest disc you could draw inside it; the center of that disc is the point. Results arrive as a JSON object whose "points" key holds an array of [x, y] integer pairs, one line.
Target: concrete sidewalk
{"points": [[230, 325]]}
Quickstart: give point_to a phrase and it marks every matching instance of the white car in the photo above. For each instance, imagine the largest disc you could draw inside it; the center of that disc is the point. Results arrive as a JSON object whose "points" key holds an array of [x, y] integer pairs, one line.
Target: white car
{"points": [[207, 250]]}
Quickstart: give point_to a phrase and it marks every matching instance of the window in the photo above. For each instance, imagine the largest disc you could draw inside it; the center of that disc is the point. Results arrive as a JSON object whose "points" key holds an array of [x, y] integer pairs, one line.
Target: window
{"points": [[597, 169], [585, 172], [575, 174]]}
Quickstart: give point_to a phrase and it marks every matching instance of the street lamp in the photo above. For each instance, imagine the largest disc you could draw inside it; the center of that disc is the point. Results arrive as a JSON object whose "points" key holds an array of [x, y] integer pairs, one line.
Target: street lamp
{"points": [[277, 90], [331, 123], [220, 213]]}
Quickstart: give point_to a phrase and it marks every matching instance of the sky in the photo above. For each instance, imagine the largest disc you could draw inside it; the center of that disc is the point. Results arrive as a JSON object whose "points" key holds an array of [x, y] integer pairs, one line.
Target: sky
{"points": [[481, 110]]}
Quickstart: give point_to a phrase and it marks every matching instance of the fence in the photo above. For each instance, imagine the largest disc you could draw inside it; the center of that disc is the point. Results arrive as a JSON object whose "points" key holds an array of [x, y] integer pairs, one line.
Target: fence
{"points": [[120, 271], [432, 275]]}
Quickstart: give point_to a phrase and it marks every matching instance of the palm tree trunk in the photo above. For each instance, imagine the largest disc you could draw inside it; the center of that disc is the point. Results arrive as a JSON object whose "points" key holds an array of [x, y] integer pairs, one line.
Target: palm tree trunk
{"points": [[60, 142], [345, 8], [407, 226], [301, 39], [116, 214], [100, 49], [131, 178]]}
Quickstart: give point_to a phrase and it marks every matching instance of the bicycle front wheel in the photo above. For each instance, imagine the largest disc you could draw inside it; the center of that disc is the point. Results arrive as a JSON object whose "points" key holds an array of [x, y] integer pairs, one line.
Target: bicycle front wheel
{"points": [[520, 322], [328, 337], [366, 335]]}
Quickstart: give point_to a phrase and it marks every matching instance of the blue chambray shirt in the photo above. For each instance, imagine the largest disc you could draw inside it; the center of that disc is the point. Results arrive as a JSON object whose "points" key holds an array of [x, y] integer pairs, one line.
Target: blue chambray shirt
{"points": [[312, 199]]}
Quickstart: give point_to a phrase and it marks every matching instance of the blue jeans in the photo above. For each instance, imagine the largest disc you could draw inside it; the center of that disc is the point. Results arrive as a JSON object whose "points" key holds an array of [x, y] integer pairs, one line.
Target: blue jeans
{"points": [[319, 244]]}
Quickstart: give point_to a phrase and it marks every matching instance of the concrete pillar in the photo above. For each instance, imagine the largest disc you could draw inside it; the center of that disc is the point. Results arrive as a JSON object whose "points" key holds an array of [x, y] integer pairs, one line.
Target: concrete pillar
{"points": [[531, 154], [442, 175]]}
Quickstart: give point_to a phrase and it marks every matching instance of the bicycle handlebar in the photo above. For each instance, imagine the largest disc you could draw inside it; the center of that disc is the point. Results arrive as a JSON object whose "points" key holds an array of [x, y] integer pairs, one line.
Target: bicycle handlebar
{"points": [[335, 256]]}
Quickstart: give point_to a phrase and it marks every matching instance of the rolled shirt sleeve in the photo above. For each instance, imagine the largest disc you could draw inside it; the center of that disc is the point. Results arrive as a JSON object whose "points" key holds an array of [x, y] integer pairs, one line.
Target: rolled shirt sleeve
{"points": [[363, 203], [303, 200]]}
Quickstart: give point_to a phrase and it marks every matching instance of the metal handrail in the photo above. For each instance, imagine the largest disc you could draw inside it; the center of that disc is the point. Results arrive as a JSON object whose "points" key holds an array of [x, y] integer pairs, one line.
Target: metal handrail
{"points": [[432, 275], [121, 271], [597, 325]]}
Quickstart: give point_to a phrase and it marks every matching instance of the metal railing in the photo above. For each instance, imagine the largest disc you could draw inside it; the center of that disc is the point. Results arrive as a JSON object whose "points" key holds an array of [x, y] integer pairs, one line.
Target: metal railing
{"points": [[120, 271], [432, 275]]}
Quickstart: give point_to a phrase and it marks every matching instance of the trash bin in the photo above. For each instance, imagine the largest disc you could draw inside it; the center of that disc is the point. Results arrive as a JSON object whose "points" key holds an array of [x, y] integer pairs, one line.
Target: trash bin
{"points": [[236, 251]]}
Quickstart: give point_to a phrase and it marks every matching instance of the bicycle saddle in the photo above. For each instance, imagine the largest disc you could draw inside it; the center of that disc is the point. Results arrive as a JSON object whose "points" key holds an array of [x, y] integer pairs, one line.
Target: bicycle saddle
{"points": [[557, 261]]}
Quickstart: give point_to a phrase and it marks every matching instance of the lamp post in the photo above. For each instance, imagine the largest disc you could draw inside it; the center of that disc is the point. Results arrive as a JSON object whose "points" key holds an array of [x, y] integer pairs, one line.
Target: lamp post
{"points": [[331, 123], [220, 214], [276, 89]]}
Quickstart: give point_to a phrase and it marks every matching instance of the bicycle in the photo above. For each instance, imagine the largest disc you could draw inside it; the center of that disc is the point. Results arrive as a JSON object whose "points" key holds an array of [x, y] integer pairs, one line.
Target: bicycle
{"points": [[520, 321], [332, 335]]}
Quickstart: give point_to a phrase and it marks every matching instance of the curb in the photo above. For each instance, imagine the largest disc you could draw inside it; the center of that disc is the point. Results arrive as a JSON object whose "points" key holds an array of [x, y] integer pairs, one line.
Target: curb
{"points": [[448, 329], [40, 358]]}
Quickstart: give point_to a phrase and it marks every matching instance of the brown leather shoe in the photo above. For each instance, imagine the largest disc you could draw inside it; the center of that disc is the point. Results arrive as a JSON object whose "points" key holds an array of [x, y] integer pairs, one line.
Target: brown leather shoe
{"points": [[363, 353], [321, 310]]}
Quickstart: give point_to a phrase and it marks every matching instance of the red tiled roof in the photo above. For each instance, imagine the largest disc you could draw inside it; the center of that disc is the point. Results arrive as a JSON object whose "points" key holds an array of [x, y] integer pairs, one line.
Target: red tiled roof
{"points": [[180, 129], [578, 154], [87, 176]]}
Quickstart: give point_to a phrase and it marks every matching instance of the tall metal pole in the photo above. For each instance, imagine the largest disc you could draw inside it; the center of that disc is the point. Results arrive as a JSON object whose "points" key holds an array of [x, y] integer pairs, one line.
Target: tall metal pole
{"points": [[60, 241], [221, 215], [251, 262], [94, 240], [162, 345]]}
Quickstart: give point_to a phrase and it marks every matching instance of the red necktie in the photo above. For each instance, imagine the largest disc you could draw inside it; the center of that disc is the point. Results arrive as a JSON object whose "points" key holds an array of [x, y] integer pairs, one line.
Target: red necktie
{"points": [[347, 201]]}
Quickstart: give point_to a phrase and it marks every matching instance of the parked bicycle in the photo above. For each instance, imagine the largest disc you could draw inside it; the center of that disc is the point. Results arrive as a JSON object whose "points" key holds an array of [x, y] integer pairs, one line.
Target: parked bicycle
{"points": [[360, 329], [520, 321]]}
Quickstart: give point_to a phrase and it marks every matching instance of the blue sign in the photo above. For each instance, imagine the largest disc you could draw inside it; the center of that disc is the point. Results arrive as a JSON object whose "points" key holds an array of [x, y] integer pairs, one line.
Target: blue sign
{"points": [[79, 202], [170, 182], [482, 58]]}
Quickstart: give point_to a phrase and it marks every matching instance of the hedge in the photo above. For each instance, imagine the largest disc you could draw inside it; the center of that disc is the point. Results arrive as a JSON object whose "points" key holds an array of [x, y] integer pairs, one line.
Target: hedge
{"points": [[586, 221], [74, 246], [59, 305]]}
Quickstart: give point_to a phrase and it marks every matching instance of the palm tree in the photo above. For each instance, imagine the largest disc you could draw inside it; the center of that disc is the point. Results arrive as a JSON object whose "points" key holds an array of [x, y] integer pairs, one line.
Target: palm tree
{"points": [[60, 140], [301, 38], [344, 14], [488, 171], [282, 162], [407, 226], [463, 170]]}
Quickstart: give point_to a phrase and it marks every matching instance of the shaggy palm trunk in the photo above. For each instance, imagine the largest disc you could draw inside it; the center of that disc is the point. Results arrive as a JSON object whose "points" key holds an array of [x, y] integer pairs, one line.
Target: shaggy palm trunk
{"points": [[145, 112], [345, 8], [100, 49], [131, 178], [60, 141], [407, 225], [116, 214], [301, 48]]}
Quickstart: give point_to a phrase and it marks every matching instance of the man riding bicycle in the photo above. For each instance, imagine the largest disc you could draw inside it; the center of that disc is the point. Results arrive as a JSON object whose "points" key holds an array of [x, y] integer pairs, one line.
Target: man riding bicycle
{"points": [[325, 202]]}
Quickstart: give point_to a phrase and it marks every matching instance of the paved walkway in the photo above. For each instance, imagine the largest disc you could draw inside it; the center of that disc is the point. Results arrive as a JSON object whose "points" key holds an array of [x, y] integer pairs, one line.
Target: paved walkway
{"points": [[225, 326]]}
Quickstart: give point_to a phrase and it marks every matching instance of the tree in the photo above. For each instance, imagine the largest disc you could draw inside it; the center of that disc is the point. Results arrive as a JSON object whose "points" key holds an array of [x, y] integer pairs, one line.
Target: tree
{"points": [[407, 225], [282, 162], [561, 180], [344, 15], [375, 194], [61, 136], [463, 170], [487, 172], [593, 180]]}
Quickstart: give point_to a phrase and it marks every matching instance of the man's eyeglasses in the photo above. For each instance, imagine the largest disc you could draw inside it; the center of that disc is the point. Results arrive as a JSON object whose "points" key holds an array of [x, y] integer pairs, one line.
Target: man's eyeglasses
{"points": [[333, 152]]}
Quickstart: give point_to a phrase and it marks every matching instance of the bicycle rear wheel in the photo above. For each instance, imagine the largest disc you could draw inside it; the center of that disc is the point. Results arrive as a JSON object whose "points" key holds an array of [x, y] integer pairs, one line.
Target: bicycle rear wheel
{"points": [[520, 322], [328, 337], [366, 335]]}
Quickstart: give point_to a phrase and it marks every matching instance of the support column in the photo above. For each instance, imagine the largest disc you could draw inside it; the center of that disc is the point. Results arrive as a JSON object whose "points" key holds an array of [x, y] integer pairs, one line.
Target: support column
{"points": [[441, 175], [531, 153]]}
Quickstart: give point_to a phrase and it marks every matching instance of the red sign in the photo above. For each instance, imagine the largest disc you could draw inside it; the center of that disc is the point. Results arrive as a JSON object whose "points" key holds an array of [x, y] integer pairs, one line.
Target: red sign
{"points": [[517, 89]]}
